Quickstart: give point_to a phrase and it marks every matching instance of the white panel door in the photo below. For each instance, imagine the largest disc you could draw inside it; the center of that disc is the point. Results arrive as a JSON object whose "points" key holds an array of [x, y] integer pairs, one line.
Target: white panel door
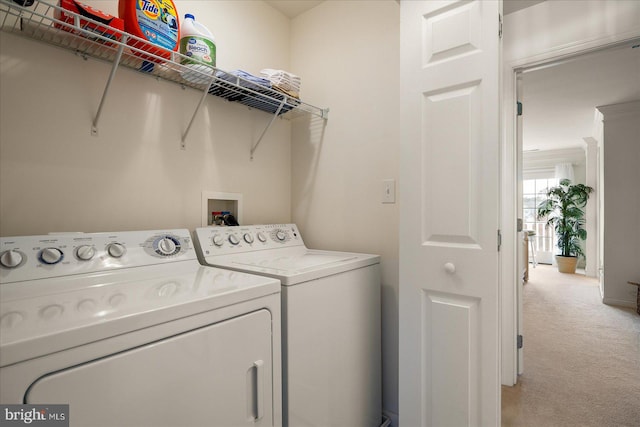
{"points": [[449, 328]]}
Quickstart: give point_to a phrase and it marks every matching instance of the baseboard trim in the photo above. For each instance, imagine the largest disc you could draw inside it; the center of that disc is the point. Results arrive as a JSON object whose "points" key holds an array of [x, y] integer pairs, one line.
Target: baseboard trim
{"points": [[619, 303]]}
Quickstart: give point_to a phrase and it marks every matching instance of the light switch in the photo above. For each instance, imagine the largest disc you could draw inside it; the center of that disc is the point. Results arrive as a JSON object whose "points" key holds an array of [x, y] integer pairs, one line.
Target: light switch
{"points": [[388, 191]]}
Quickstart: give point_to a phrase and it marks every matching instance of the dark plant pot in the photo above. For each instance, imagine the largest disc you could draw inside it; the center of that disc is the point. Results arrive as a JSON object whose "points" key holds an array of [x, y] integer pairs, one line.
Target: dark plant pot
{"points": [[567, 264]]}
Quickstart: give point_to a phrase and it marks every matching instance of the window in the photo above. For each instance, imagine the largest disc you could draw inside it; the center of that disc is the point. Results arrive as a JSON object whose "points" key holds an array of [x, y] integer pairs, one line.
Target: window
{"points": [[534, 192]]}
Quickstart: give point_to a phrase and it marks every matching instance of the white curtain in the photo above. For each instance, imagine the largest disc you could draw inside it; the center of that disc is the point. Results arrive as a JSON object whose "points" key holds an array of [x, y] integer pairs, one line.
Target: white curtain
{"points": [[564, 171]]}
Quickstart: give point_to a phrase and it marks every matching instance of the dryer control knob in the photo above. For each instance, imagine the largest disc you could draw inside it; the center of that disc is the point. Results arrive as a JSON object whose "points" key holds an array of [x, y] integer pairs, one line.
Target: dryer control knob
{"points": [[262, 237], [248, 238], [115, 250], [11, 319], [218, 240], [51, 255], [167, 290], [117, 299], [281, 235], [87, 306], [11, 259], [85, 252], [233, 239], [166, 246], [51, 311]]}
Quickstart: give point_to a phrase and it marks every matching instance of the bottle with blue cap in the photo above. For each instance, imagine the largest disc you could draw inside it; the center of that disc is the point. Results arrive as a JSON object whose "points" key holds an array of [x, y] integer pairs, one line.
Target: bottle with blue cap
{"points": [[198, 44]]}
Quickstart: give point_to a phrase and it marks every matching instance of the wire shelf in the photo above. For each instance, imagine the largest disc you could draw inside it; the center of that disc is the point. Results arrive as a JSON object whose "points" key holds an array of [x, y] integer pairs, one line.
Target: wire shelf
{"points": [[93, 39]]}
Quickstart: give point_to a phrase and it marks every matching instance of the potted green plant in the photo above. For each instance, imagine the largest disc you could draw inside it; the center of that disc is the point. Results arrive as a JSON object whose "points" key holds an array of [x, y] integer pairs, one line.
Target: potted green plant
{"points": [[563, 211]]}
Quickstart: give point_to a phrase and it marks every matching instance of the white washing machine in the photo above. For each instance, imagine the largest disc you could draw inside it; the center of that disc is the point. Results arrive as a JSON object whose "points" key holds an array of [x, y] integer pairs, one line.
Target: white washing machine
{"points": [[330, 320], [130, 330]]}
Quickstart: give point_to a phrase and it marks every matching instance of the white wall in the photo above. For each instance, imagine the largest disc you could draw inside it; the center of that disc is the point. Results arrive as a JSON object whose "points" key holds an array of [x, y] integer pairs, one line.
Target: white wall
{"points": [[54, 176], [621, 157], [347, 53], [555, 27]]}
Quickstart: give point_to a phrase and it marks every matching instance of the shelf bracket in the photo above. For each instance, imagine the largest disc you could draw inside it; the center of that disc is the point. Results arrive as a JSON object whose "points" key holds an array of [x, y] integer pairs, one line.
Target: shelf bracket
{"points": [[264, 132], [183, 144], [114, 68]]}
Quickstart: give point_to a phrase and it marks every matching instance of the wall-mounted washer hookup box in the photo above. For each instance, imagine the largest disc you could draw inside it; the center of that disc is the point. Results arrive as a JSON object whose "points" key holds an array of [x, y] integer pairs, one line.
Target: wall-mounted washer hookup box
{"points": [[213, 202]]}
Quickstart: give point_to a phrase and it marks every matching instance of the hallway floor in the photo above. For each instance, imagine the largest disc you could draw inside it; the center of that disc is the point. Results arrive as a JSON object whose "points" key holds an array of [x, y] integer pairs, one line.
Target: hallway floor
{"points": [[581, 357]]}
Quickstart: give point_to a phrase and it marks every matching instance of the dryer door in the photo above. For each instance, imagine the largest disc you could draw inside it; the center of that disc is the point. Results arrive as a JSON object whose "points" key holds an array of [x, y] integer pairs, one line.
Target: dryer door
{"points": [[218, 375]]}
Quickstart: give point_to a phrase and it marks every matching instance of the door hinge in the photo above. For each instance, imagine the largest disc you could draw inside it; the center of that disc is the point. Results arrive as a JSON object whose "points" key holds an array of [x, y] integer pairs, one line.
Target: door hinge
{"points": [[519, 108], [500, 25], [520, 340], [499, 240]]}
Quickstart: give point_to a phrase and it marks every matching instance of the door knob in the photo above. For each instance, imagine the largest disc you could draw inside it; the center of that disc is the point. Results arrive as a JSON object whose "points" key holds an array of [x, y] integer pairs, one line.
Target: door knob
{"points": [[450, 267]]}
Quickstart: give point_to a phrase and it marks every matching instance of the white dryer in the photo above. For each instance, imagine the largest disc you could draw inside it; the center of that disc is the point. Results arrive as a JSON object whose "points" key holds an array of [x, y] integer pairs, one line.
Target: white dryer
{"points": [[130, 330], [330, 320]]}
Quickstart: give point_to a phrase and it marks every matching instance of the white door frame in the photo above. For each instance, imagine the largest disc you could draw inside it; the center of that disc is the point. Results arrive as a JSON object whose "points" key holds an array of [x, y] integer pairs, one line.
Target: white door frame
{"points": [[509, 254]]}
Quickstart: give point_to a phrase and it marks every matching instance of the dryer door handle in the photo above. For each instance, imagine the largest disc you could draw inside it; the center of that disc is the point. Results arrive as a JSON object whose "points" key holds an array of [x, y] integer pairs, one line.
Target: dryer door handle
{"points": [[256, 390]]}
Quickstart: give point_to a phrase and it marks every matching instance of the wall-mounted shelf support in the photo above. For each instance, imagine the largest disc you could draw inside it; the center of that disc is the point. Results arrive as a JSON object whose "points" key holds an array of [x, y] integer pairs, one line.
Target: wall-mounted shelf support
{"points": [[112, 74], [273, 119], [183, 144], [114, 68]]}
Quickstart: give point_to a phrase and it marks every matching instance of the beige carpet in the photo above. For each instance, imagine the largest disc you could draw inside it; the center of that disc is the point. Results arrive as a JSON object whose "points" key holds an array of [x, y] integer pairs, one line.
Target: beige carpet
{"points": [[582, 358]]}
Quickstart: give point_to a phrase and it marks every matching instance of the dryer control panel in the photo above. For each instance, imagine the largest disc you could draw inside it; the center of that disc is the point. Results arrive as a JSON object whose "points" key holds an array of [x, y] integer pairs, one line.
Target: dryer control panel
{"points": [[248, 238], [54, 255]]}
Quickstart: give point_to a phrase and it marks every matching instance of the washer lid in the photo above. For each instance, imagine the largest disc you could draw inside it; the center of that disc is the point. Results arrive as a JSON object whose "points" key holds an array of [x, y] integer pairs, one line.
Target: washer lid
{"points": [[43, 316], [294, 265]]}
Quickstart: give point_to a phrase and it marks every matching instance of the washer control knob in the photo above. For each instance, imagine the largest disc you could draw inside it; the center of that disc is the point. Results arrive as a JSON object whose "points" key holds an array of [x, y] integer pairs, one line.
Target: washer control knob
{"points": [[281, 235], [261, 236], [11, 258], [51, 255], [248, 238], [233, 239], [166, 246], [115, 250], [85, 252], [218, 240]]}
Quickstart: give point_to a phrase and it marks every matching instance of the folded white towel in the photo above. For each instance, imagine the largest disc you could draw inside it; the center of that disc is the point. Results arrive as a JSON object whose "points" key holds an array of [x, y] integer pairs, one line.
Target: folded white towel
{"points": [[282, 79]]}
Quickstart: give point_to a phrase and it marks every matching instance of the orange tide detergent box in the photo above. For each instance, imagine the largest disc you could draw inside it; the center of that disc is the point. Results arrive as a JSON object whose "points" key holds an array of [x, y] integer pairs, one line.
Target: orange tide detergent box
{"points": [[106, 30], [155, 21]]}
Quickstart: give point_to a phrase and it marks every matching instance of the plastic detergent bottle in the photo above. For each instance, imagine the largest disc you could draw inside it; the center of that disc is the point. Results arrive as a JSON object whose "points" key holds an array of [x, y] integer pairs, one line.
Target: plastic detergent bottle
{"points": [[198, 44], [153, 20]]}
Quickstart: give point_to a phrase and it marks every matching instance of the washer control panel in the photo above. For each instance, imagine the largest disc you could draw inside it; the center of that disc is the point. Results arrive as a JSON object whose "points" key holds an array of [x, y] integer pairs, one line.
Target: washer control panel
{"points": [[247, 238], [54, 255]]}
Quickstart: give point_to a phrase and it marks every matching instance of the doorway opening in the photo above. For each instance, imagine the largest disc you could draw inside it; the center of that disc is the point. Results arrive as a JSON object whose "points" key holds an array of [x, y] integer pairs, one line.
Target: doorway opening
{"points": [[560, 125], [549, 93]]}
